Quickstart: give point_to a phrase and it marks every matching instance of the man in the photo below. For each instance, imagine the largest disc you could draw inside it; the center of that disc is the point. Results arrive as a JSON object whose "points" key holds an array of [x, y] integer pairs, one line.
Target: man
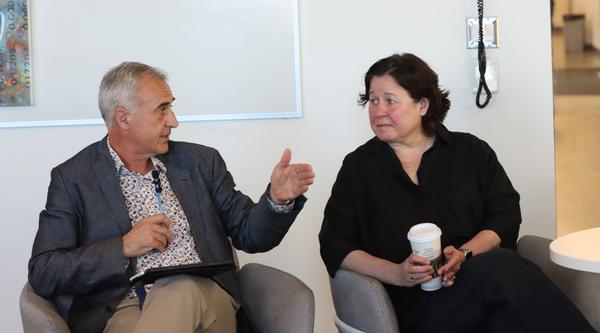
{"points": [[136, 200]]}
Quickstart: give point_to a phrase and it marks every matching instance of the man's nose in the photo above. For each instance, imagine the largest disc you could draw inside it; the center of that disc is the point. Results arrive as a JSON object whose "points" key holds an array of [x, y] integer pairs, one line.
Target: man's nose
{"points": [[172, 120]]}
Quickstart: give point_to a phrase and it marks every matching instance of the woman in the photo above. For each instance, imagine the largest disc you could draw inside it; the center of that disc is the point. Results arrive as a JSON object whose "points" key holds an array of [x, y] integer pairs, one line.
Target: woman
{"points": [[414, 170]]}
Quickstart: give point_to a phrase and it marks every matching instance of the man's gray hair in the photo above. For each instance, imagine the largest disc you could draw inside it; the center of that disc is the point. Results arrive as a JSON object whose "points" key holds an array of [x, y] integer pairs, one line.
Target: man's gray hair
{"points": [[119, 88]]}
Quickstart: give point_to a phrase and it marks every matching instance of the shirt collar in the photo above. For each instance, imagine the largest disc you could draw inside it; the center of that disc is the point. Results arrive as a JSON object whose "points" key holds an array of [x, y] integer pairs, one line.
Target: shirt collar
{"points": [[120, 166], [442, 133], [384, 151]]}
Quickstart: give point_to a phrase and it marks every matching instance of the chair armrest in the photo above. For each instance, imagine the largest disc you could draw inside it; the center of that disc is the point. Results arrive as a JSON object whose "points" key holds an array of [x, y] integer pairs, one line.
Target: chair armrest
{"points": [[277, 301], [38, 314], [581, 287], [363, 303]]}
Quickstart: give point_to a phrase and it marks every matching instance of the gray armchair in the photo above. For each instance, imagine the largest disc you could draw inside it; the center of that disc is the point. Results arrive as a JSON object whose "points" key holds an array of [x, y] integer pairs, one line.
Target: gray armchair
{"points": [[362, 304], [278, 302]]}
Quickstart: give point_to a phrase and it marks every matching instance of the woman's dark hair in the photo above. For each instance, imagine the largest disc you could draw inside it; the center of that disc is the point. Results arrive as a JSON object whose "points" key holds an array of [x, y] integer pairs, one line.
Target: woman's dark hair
{"points": [[418, 79]]}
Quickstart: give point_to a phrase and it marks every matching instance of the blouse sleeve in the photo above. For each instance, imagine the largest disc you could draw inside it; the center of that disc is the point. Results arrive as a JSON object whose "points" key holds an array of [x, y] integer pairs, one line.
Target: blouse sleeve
{"points": [[501, 200], [339, 232]]}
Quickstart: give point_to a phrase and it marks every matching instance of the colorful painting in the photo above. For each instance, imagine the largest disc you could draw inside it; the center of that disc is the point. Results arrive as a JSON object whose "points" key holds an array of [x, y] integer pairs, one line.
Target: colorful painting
{"points": [[15, 57]]}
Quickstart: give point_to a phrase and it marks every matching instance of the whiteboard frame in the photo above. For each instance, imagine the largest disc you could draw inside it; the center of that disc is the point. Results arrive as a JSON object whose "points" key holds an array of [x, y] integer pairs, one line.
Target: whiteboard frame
{"points": [[297, 113]]}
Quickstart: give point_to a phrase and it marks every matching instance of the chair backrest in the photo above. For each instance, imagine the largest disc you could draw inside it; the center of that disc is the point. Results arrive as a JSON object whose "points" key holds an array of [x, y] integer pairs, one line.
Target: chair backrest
{"points": [[345, 328], [362, 303], [39, 314], [277, 301], [583, 288]]}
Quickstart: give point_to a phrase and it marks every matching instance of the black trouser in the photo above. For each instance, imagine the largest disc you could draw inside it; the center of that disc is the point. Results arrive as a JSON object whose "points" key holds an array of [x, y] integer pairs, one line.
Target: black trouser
{"points": [[500, 291]]}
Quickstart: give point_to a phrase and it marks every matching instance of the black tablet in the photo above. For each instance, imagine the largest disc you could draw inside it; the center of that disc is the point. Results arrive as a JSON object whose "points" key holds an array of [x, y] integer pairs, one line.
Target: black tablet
{"points": [[201, 269]]}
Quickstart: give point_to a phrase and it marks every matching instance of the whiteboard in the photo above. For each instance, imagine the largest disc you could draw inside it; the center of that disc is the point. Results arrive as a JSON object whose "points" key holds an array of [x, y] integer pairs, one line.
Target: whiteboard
{"points": [[226, 59]]}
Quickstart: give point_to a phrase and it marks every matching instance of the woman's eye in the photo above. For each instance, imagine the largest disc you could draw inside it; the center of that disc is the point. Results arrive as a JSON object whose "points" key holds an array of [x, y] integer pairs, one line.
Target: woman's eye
{"points": [[373, 101]]}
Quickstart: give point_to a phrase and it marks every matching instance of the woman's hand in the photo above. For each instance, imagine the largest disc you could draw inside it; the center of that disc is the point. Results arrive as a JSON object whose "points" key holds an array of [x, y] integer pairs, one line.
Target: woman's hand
{"points": [[454, 259], [414, 270]]}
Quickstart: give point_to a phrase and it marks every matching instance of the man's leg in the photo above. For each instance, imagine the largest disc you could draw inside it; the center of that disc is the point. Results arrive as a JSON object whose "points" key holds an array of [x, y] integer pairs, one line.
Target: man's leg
{"points": [[125, 317], [185, 303]]}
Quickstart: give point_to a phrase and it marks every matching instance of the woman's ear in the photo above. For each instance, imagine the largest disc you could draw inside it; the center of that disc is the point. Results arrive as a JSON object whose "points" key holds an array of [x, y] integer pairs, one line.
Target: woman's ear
{"points": [[423, 106]]}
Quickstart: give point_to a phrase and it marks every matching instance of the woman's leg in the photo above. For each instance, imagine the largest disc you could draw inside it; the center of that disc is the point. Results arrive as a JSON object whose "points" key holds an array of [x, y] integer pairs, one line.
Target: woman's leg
{"points": [[501, 288]]}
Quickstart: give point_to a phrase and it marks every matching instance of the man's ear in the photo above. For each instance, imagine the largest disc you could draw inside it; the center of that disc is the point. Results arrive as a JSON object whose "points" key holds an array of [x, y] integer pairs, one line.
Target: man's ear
{"points": [[121, 118], [423, 106]]}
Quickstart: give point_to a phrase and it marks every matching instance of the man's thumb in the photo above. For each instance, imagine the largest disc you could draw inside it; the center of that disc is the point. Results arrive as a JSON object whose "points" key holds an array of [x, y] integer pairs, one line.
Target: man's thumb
{"points": [[285, 158]]}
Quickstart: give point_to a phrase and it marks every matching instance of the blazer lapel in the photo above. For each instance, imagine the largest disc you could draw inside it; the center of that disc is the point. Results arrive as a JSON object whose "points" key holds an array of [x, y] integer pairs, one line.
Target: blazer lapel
{"points": [[104, 171], [181, 182]]}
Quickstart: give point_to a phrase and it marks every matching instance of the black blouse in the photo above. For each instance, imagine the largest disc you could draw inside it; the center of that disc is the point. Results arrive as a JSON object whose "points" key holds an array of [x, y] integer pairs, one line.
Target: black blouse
{"points": [[462, 188]]}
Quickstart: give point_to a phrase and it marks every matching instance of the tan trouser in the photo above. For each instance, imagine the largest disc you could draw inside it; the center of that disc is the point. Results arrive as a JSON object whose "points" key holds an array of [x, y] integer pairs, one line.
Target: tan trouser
{"points": [[181, 303]]}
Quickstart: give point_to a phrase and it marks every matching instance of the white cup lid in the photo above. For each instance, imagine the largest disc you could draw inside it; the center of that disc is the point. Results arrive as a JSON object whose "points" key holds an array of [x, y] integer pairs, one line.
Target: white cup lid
{"points": [[424, 232]]}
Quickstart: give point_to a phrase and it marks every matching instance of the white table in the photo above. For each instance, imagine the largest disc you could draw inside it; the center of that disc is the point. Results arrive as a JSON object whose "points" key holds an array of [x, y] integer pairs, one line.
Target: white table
{"points": [[579, 250]]}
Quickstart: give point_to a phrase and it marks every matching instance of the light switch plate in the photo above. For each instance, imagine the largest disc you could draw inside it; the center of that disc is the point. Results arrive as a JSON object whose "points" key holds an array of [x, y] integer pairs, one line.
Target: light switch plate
{"points": [[490, 32], [491, 75]]}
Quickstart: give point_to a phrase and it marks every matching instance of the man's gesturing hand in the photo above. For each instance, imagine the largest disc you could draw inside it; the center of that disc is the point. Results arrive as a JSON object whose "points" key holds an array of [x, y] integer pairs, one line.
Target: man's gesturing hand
{"points": [[288, 181], [150, 233]]}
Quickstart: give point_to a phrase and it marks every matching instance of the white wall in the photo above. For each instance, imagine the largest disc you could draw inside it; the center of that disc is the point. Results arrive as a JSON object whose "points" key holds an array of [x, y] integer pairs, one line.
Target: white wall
{"points": [[339, 40]]}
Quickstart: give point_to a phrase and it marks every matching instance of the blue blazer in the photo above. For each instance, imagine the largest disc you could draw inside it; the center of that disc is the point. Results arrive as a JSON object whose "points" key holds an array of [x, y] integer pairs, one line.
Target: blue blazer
{"points": [[78, 247]]}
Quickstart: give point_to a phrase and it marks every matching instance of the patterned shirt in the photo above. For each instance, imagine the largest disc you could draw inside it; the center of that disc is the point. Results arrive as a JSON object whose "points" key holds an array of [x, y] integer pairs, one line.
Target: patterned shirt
{"points": [[142, 201]]}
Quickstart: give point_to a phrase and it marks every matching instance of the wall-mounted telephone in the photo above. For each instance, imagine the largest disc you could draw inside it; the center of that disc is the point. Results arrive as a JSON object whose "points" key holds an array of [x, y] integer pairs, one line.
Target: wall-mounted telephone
{"points": [[482, 62]]}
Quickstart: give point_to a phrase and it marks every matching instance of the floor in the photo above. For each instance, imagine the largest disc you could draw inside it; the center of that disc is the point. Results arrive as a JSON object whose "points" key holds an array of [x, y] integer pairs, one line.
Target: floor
{"points": [[577, 136]]}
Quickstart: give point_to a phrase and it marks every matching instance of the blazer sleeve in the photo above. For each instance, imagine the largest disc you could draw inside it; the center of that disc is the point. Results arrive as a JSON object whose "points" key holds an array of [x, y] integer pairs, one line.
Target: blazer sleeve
{"points": [[252, 227], [59, 263], [502, 213]]}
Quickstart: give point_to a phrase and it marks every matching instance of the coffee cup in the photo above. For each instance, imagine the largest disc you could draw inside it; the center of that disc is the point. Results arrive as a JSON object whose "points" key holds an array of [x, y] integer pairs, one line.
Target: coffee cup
{"points": [[425, 241]]}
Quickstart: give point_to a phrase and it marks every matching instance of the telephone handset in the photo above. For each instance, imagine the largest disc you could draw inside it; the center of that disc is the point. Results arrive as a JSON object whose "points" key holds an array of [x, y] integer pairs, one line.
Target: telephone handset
{"points": [[481, 61]]}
